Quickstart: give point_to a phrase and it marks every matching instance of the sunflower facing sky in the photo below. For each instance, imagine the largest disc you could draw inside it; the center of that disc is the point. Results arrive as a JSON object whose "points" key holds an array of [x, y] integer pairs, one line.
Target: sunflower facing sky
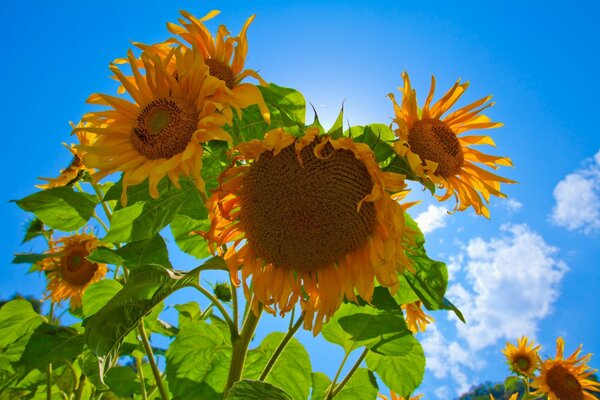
{"points": [[69, 272], [437, 152], [311, 220], [161, 132], [522, 359], [566, 379]]}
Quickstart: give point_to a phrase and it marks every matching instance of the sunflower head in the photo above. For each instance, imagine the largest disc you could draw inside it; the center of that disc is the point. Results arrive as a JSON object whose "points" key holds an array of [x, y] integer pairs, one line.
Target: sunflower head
{"points": [[566, 378], [522, 359], [68, 270], [416, 319], [176, 108], [311, 220], [438, 152]]}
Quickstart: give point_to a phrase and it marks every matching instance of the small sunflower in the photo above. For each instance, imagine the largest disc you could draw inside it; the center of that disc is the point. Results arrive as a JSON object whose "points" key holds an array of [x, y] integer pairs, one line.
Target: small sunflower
{"points": [[394, 396], [522, 359], [69, 272], [512, 397], [161, 132], [436, 152], [310, 220], [566, 379], [72, 173], [416, 319]]}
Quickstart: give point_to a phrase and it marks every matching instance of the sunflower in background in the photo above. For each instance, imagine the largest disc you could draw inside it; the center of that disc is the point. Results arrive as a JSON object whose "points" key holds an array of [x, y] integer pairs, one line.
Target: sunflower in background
{"points": [[522, 359], [566, 379], [72, 173], [436, 152], [416, 319], [69, 272], [161, 132], [311, 220]]}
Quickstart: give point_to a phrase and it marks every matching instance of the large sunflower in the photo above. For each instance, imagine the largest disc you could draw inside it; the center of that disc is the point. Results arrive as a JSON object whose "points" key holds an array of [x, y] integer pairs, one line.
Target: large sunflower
{"points": [[566, 379], [437, 152], [160, 133], [68, 270], [310, 220], [72, 173], [522, 359]]}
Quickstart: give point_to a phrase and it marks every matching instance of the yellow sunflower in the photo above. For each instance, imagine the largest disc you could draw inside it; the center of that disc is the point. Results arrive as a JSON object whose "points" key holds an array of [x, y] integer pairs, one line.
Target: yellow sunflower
{"points": [[69, 272], [69, 175], [437, 152], [416, 319], [224, 55], [566, 379], [161, 132], [514, 396], [522, 359], [310, 220], [394, 396]]}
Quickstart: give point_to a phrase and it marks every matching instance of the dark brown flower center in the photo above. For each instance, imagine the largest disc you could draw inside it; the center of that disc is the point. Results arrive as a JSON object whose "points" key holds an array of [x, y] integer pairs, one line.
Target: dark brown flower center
{"points": [[164, 128], [564, 384], [523, 363], [76, 269], [222, 71], [300, 211], [433, 140]]}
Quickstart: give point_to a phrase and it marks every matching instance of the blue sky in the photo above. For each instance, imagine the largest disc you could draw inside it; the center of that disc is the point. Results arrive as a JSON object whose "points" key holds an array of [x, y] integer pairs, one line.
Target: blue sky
{"points": [[532, 269]]}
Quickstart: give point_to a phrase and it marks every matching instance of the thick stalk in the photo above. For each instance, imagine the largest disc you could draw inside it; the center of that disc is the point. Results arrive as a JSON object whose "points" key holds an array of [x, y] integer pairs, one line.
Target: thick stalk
{"points": [[289, 335], [234, 304], [240, 347], [104, 205], [150, 354], [329, 394], [350, 373], [49, 368]]}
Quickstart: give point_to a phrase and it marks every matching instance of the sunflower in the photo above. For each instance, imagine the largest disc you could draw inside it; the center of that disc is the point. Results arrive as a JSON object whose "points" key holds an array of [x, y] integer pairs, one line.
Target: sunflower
{"points": [[72, 173], [522, 359], [512, 397], [566, 379], [311, 221], [394, 396], [416, 319], [436, 152], [161, 132], [69, 272]]}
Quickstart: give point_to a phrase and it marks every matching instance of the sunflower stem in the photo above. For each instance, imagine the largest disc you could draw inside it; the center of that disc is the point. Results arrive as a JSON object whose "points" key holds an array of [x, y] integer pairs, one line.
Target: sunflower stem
{"points": [[329, 394], [104, 205], [341, 385], [49, 368], [289, 335], [150, 354], [79, 391], [73, 376], [232, 327], [240, 345], [234, 304], [138, 362], [101, 222]]}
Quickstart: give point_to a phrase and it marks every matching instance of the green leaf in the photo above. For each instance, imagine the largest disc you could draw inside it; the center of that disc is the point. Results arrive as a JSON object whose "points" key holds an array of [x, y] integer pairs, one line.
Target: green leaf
{"points": [[250, 126], [123, 381], [256, 390], [146, 287], [510, 383], [98, 294], [320, 385], [337, 130], [51, 344], [29, 258], [60, 208], [35, 228], [188, 312], [198, 362], [292, 370], [288, 107], [17, 319], [214, 161], [135, 254], [361, 386], [401, 373], [105, 255], [316, 123], [91, 367]]}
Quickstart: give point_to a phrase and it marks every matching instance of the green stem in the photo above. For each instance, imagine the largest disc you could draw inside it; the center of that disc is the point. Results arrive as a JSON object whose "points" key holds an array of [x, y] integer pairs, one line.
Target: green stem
{"points": [[234, 304], [329, 394], [104, 205], [232, 327], [240, 347], [138, 362], [49, 368], [289, 335], [73, 376], [205, 313], [79, 392], [106, 229], [150, 354], [339, 387]]}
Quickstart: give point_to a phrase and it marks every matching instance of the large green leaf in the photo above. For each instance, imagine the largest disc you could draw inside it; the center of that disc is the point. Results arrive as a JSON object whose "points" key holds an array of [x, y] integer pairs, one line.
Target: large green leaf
{"points": [[256, 390], [60, 208], [198, 362], [292, 370], [51, 344], [98, 294], [135, 254], [17, 319], [146, 287], [287, 106], [320, 385], [30, 258], [361, 386], [123, 381], [401, 373]]}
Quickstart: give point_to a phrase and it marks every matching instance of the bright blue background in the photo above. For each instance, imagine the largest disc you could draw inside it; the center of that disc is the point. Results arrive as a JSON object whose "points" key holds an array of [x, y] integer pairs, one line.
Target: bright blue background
{"points": [[539, 59]]}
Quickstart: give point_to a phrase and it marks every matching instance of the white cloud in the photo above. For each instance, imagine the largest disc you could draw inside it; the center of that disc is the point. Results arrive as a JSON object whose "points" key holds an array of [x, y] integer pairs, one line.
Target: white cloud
{"points": [[513, 204], [433, 218], [578, 199], [510, 284]]}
